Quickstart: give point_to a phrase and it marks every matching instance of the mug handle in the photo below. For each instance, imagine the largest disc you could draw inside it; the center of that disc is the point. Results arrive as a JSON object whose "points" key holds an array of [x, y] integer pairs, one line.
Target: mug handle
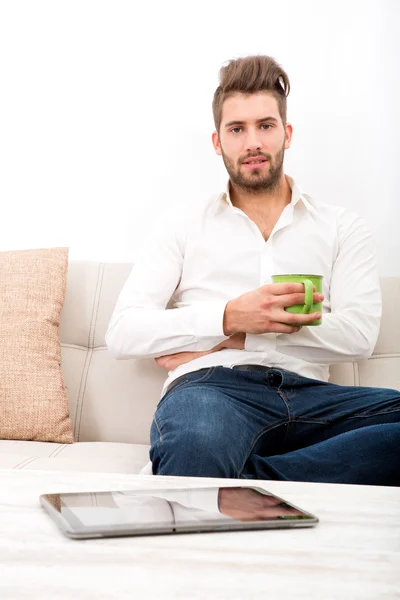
{"points": [[309, 291]]}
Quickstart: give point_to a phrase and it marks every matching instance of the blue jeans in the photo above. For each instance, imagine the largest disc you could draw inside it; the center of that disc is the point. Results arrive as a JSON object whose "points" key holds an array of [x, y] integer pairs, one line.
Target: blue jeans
{"points": [[221, 422]]}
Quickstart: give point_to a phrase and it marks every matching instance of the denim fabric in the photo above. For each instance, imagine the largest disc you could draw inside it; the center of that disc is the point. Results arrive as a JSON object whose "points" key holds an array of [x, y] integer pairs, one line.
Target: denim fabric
{"points": [[219, 422]]}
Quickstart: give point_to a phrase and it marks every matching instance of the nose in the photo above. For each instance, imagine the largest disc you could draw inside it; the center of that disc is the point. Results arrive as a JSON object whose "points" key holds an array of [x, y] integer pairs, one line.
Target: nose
{"points": [[253, 141]]}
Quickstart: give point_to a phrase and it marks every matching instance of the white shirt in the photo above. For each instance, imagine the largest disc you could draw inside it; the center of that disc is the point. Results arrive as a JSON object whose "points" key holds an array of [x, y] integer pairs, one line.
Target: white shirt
{"points": [[175, 506], [197, 261], [152, 507]]}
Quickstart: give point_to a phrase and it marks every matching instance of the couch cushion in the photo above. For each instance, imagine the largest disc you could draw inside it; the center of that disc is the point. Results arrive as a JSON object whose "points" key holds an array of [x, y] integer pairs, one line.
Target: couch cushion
{"points": [[33, 400], [383, 368], [83, 456], [110, 400]]}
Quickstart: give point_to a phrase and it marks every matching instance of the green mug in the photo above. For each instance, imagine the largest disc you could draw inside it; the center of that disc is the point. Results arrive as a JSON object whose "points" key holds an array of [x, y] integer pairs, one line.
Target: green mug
{"points": [[308, 281]]}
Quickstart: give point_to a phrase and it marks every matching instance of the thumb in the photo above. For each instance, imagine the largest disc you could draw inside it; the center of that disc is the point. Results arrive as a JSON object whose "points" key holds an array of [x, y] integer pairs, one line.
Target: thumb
{"points": [[162, 360]]}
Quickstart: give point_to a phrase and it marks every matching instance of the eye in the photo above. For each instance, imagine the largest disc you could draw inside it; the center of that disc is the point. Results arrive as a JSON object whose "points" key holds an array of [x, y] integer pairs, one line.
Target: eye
{"points": [[235, 129], [265, 126]]}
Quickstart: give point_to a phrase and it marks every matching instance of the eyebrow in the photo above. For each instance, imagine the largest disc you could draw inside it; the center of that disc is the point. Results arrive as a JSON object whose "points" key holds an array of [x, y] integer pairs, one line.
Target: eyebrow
{"points": [[257, 121]]}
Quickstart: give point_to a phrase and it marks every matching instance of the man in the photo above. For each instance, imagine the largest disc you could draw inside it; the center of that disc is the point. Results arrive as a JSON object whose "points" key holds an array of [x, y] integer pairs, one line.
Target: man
{"points": [[247, 394]]}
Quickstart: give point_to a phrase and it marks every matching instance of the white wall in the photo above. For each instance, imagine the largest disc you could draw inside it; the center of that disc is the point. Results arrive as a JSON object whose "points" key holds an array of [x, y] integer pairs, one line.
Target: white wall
{"points": [[105, 112]]}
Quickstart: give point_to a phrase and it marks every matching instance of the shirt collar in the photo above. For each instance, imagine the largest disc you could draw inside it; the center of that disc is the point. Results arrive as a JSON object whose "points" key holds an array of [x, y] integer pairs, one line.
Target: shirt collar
{"points": [[297, 195]]}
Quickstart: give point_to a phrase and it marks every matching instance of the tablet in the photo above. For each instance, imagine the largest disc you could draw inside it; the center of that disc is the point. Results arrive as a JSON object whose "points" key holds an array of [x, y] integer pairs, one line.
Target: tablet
{"points": [[162, 511]]}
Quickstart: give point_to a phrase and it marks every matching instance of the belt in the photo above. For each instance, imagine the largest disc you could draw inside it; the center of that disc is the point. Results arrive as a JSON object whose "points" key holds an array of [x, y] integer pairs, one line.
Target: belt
{"points": [[251, 368], [237, 367]]}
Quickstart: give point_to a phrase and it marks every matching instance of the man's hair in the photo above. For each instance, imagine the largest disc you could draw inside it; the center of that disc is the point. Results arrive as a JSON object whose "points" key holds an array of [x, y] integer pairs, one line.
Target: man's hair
{"points": [[250, 75]]}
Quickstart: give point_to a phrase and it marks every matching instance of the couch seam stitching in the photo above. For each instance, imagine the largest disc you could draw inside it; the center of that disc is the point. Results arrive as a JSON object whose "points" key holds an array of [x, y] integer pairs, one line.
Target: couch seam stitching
{"points": [[92, 329], [83, 348], [21, 463], [28, 462], [24, 463], [356, 374], [55, 450], [79, 400], [58, 450]]}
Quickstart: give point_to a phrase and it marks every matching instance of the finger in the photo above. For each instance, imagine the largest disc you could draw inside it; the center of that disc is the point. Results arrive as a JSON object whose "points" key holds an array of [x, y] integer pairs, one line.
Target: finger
{"points": [[176, 362], [172, 363], [169, 365], [296, 320], [162, 360], [176, 355], [291, 299], [284, 288], [282, 328], [162, 365]]}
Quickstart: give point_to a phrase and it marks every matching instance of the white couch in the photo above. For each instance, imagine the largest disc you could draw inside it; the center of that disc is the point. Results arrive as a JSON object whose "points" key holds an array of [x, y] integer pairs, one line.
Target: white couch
{"points": [[112, 402]]}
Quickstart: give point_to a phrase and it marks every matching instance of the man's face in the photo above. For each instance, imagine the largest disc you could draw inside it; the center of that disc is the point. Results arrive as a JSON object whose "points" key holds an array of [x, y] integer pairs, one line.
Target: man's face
{"points": [[252, 141]]}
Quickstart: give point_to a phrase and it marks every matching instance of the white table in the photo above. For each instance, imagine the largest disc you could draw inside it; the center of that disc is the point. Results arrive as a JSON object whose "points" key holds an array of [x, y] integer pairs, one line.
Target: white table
{"points": [[354, 552]]}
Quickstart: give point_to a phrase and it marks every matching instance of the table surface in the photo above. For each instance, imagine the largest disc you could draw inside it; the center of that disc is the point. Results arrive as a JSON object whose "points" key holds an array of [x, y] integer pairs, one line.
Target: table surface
{"points": [[354, 552]]}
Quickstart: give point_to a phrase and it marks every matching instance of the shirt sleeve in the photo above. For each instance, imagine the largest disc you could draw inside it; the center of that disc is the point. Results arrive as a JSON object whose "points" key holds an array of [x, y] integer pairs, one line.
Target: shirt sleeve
{"points": [[141, 324], [351, 315]]}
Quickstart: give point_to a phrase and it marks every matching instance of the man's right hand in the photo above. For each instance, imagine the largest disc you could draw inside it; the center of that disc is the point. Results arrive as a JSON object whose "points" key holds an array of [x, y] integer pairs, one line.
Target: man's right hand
{"points": [[262, 310]]}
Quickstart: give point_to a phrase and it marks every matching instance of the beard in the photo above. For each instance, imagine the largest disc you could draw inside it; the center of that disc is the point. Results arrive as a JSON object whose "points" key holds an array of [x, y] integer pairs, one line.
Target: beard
{"points": [[256, 181]]}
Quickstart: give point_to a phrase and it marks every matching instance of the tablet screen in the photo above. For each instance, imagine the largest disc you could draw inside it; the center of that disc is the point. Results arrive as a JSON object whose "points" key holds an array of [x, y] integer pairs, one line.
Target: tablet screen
{"points": [[152, 508]]}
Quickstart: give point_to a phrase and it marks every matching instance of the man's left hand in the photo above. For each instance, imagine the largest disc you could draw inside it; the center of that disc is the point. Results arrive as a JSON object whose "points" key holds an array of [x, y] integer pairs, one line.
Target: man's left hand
{"points": [[172, 361]]}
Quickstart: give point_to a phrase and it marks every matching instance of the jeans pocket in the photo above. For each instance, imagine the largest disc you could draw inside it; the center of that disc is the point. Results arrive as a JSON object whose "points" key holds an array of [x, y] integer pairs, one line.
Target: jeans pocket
{"points": [[188, 379]]}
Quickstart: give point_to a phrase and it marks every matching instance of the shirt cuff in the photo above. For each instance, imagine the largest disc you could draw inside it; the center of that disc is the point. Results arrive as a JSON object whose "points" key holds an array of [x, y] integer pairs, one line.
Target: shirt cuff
{"points": [[260, 342], [209, 320]]}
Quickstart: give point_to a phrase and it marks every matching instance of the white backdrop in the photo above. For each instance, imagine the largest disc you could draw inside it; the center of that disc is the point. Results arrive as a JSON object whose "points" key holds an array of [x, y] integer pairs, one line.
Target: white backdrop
{"points": [[105, 112]]}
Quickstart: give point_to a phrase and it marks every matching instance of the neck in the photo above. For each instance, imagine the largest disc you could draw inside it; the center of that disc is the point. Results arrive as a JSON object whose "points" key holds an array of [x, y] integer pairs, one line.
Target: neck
{"points": [[275, 198]]}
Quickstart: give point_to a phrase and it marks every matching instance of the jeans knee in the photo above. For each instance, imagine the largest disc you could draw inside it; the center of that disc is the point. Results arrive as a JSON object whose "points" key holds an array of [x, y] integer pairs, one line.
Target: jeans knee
{"points": [[199, 440], [193, 451]]}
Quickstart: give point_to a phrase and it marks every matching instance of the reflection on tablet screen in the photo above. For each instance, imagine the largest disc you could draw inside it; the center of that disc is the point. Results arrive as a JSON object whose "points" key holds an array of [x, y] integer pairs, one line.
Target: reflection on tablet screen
{"points": [[169, 507]]}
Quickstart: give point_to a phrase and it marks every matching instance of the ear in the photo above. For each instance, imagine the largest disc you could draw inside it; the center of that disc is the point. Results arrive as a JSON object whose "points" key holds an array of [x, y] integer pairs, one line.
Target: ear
{"points": [[216, 143], [288, 135]]}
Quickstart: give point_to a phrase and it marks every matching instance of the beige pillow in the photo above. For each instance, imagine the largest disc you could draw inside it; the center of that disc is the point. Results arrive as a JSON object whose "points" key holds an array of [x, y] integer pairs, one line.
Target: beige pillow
{"points": [[33, 400]]}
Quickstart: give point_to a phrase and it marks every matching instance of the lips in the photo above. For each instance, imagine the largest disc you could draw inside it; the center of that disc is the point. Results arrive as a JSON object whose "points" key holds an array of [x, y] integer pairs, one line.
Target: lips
{"points": [[258, 160]]}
